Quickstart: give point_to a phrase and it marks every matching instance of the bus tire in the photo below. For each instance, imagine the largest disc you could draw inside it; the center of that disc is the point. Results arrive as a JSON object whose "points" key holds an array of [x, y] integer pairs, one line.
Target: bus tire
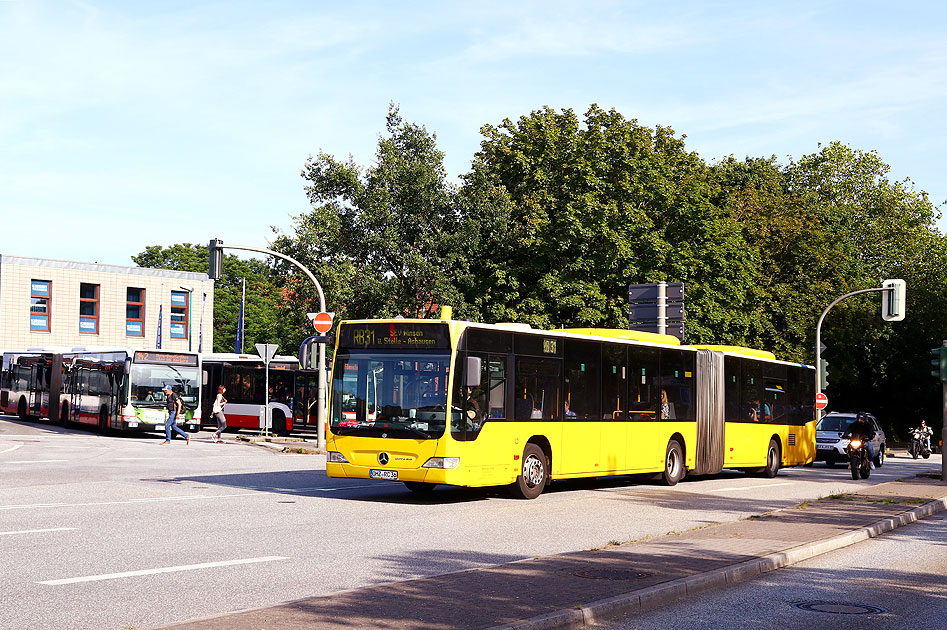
{"points": [[773, 458], [533, 475], [64, 415], [103, 419], [21, 410], [673, 464], [419, 486]]}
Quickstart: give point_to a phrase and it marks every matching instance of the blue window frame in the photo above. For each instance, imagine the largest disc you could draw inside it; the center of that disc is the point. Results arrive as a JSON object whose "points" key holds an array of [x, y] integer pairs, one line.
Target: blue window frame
{"points": [[88, 309], [180, 302], [41, 293]]}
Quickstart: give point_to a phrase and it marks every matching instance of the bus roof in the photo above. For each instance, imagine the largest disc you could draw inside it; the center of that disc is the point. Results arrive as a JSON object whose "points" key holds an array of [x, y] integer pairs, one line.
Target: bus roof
{"points": [[248, 358]]}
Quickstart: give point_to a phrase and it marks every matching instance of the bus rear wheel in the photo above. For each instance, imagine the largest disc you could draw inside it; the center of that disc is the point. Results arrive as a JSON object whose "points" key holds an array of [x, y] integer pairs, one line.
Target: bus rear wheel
{"points": [[64, 415], [21, 410], [772, 460], [103, 419], [673, 464], [534, 474]]}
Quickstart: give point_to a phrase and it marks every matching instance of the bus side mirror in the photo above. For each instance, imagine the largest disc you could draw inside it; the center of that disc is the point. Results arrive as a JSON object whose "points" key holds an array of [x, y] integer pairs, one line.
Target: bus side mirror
{"points": [[473, 372], [204, 377], [128, 365]]}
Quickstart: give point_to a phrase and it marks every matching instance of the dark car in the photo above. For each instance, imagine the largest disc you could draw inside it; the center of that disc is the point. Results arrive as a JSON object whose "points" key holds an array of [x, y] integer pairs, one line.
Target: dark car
{"points": [[830, 442]]}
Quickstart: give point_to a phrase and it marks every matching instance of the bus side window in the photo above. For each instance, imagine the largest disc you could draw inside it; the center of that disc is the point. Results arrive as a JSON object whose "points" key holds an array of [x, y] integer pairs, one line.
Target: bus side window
{"points": [[582, 360], [644, 396], [614, 382], [496, 371]]}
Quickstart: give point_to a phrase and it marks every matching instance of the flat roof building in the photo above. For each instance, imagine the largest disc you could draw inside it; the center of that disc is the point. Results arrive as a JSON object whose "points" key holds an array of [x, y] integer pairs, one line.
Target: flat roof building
{"points": [[46, 302]]}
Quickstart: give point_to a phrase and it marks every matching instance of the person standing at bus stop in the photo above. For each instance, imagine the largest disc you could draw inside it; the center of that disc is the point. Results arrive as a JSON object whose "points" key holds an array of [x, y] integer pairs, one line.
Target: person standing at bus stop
{"points": [[218, 411], [174, 407]]}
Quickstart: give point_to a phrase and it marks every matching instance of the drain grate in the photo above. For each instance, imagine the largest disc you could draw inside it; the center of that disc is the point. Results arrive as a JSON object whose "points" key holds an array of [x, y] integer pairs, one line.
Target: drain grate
{"points": [[610, 574], [839, 608]]}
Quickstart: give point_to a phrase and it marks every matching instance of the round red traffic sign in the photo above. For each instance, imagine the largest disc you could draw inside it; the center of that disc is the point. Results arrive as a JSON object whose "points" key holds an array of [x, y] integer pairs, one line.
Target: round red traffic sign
{"points": [[821, 401], [322, 322]]}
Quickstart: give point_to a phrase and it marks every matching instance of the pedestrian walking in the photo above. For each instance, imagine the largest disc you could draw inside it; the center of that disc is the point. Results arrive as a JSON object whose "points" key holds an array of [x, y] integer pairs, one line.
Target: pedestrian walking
{"points": [[175, 406], [218, 411]]}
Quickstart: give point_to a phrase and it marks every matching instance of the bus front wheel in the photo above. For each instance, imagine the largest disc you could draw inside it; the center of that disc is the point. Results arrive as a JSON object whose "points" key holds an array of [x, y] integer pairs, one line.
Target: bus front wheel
{"points": [[21, 410], [64, 415], [532, 479], [673, 464], [103, 419]]}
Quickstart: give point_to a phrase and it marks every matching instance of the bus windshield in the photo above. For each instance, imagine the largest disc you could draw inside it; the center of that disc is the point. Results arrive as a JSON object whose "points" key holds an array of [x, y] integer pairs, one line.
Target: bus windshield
{"points": [[389, 394], [148, 381]]}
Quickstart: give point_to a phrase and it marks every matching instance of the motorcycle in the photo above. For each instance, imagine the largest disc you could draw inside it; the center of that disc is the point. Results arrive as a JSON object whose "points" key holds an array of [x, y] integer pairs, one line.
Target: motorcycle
{"points": [[918, 444], [858, 458]]}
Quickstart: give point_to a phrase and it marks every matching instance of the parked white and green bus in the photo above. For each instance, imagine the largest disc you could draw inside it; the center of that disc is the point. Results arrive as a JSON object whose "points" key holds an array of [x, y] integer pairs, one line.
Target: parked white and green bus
{"points": [[110, 388]]}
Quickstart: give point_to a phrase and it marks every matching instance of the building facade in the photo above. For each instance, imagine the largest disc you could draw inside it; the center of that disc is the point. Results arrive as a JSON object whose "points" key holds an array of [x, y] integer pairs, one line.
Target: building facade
{"points": [[60, 303]]}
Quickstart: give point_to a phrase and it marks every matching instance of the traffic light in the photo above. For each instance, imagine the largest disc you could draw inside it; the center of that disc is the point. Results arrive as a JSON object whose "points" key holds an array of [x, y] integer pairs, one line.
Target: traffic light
{"points": [[215, 259], [823, 374], [940, 363], [892, 300]]}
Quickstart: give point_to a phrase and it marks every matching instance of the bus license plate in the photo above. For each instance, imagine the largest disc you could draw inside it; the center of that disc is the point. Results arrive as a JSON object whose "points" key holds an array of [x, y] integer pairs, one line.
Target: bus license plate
{"points": [[391, 475], [132, 425], [824, 447]]}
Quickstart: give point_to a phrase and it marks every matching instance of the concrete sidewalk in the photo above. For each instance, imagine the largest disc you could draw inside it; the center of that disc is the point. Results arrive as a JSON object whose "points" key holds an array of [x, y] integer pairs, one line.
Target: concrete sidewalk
{"points": [[575, 589]]}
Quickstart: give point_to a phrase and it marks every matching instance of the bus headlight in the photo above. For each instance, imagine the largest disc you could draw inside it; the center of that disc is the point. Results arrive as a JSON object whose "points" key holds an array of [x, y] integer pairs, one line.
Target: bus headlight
{"points": [[335, 457], [448, 463]]}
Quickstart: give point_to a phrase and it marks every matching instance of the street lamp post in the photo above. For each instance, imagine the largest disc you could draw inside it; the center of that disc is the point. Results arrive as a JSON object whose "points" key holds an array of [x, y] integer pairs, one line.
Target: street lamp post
{"points": [[215, 267]]}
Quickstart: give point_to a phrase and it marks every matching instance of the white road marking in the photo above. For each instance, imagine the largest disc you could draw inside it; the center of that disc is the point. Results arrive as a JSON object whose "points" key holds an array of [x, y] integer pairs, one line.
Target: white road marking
{"points": [[373, 485], [38, 531], [12, 448], [134, 459], [185, 567], [142, 500], [766, 485], [36, 461]]}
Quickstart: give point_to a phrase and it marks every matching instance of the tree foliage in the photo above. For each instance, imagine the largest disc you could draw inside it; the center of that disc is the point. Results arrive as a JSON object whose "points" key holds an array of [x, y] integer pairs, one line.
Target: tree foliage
{"points": [[559, 213]]}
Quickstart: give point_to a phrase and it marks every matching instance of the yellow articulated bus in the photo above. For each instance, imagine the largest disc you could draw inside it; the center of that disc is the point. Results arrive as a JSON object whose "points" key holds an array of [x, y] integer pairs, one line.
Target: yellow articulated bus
{"points": [[429, 402]]}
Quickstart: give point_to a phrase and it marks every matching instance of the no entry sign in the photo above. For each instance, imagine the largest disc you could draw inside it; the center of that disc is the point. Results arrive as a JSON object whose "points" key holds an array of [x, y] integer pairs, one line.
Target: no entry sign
{"points": [[322, 322], [821, 401]]}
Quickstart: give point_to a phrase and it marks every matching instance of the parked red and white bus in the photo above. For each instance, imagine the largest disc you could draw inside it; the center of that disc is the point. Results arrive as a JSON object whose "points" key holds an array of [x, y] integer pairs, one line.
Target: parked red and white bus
{"points": [[246, 383]]}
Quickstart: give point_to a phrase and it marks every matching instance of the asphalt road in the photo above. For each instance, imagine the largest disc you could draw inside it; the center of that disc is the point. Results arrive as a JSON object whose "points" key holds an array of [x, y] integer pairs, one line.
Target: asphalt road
{"points": [[120, 532], [895, 581]]}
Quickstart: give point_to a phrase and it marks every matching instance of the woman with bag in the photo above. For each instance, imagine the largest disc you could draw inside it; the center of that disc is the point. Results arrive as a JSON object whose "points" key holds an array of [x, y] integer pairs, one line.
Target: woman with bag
{"points": [[218, 413]]}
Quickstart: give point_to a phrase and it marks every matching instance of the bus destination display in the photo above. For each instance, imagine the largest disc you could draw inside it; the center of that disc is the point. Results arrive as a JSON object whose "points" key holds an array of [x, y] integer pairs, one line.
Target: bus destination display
{"points": [[166, 358], [395, 336]]}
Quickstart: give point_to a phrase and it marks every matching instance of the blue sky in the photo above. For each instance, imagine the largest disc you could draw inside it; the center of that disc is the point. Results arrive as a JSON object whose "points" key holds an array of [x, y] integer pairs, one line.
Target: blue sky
{"points": [[126, 124]]}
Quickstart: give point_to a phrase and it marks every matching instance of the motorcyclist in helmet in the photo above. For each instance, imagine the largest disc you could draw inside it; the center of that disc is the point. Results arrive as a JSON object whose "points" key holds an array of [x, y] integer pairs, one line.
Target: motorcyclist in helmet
{"points": [[863, 430], [926, 433]]}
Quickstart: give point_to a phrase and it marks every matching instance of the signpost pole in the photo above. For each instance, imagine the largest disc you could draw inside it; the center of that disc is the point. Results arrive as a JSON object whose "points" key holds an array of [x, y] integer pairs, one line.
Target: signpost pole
{"points": [[266, 351]]}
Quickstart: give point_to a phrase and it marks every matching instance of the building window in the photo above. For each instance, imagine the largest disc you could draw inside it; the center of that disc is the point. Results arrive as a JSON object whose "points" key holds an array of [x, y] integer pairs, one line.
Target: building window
{"points": [[135, 312], [89, 308], [40, 295], [179, 309]]}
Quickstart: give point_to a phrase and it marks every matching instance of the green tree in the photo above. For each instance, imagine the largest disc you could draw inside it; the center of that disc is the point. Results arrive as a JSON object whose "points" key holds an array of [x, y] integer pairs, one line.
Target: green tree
{"points": [[594, 207], [264, 298], [383, 240]]}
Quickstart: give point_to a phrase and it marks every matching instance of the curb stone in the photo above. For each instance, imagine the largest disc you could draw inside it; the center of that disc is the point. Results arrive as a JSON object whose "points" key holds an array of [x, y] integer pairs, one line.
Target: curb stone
{"points": [[591, 613]]}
